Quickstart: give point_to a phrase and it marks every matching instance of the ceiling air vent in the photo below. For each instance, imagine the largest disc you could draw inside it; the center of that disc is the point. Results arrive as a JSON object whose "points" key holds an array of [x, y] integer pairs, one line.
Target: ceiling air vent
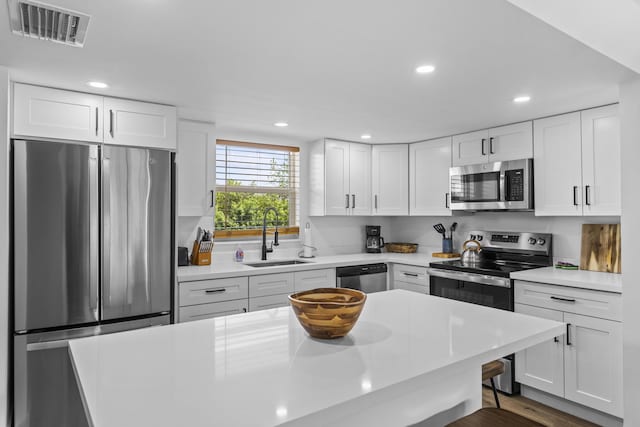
{"points": [[42, 21]]}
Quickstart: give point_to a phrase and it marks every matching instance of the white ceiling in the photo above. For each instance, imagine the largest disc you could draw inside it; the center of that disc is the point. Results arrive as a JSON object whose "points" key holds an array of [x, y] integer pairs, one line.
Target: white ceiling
{"points": [[330, 68]]}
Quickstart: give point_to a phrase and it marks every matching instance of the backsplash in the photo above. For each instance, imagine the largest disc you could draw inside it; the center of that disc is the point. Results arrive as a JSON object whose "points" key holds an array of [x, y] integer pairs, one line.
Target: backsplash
{"points": [[566, 230]]}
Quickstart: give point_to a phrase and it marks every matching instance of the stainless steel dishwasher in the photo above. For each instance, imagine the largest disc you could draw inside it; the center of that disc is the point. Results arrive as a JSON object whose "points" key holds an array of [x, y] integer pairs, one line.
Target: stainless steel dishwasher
{"points": [[367, 278]]}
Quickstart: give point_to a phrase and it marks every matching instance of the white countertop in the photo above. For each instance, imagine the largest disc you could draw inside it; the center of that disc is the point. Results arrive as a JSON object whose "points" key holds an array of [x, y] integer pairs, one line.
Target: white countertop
{"points": [[584, 279], [233, 269], [261, 368]]}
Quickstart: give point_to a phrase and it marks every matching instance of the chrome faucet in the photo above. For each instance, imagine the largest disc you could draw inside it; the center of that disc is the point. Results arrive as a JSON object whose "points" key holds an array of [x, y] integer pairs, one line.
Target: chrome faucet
{"points": [[266, 250]]}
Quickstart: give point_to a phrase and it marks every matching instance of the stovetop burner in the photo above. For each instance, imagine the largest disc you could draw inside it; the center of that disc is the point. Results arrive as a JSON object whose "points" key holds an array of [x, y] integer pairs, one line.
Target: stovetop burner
{"points": [[505, 253]]}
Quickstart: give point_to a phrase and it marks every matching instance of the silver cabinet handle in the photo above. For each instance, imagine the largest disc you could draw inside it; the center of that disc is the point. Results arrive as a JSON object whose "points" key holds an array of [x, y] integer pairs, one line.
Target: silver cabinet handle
{"points": [[375, 201], [111, 123], [346, 196], [215, 291], [587, 195], [353, 201]]}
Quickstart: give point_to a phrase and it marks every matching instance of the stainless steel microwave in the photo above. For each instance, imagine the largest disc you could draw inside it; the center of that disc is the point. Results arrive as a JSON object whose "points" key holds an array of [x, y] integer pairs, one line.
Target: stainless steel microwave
{"points": [[496, 186]]}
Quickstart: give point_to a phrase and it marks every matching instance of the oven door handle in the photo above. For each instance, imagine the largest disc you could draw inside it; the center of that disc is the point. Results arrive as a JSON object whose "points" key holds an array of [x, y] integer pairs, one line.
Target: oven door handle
{"points": [[503, 282]]}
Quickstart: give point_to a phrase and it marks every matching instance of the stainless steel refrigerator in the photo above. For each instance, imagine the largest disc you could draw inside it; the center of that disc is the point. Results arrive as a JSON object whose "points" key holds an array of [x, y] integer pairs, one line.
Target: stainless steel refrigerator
{"points": [[92, 254]]}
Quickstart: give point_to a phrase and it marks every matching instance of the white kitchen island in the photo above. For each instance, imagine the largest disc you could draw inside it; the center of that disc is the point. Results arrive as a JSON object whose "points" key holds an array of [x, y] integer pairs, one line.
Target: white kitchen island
{"points": [[409, 357]]}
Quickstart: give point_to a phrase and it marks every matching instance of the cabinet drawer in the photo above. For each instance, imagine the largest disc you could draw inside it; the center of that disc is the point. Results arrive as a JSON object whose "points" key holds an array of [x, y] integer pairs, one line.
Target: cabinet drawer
{"points": [[270, 284], [216, 309], [605, 305], [410, 274], [271, 301], [215, 290], [422, 289], [312, 279]]}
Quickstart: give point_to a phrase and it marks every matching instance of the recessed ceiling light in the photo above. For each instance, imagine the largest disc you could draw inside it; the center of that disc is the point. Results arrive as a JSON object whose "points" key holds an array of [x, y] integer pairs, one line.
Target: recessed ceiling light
{"points": [[424, 69], [365, 136], [98, 85], [520, 99], [281, 124]]}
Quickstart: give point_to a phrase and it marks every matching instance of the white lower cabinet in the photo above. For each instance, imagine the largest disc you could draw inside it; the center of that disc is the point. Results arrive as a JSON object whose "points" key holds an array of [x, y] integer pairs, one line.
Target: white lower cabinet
{"points": [[270, 284], [312, 279], [267, 302], [216, 309], [410, 278], [584, 365]]}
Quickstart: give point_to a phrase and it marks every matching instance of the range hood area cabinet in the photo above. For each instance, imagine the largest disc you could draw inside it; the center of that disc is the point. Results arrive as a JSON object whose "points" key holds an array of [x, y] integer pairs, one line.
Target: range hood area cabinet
{"points": [[510, 142], [196, 168], [577, 163], [340, 178], [429, 163], [390, 184], [42, 112]]}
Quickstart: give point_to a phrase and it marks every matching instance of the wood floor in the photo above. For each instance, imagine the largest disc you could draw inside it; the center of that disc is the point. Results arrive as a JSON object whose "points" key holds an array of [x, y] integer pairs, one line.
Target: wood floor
{"points": [[550, 417]]}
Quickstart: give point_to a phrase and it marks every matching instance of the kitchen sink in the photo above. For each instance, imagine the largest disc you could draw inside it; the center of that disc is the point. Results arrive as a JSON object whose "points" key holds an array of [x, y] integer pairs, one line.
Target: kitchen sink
{"points": [[276, 263]]}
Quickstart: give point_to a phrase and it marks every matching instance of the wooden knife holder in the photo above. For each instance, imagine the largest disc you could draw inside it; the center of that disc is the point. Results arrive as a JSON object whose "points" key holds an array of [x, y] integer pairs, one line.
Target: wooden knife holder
{"points": [[201, 253]]}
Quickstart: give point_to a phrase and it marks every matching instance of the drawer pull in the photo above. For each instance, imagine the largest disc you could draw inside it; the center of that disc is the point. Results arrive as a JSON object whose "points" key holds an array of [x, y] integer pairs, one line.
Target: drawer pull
{"points": [[215, 291], [411, 274], [562, 299]]}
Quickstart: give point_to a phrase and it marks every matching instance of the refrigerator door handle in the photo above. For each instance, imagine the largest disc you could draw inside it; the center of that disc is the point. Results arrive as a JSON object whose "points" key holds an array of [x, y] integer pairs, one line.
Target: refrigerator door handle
{"points": [[94, 251], [48, 345]]}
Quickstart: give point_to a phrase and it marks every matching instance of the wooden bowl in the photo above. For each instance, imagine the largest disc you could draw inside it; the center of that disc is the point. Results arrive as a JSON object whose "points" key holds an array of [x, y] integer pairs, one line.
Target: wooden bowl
{"points": [[328, 313]]}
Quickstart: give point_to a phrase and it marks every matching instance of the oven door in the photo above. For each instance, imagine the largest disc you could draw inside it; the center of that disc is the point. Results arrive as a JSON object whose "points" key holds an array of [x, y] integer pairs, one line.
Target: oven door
{"points": [[480, 289]]}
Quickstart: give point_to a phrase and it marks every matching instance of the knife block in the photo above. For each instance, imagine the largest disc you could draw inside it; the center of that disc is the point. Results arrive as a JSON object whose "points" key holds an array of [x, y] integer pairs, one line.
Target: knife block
{"points": [[201, 253]]}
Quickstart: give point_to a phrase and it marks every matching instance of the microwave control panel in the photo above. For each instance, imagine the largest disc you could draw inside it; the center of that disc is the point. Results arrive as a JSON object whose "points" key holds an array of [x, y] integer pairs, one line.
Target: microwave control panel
{"points": [[514, 185]]}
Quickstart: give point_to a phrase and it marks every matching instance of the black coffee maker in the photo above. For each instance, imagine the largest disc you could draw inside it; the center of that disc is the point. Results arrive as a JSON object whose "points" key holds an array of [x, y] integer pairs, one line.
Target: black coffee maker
{"points": [[374, 242]]}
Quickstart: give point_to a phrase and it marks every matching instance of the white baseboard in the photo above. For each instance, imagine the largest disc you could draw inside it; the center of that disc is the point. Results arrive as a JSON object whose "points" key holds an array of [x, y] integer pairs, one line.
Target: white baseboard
{"points": [[572, 408]]}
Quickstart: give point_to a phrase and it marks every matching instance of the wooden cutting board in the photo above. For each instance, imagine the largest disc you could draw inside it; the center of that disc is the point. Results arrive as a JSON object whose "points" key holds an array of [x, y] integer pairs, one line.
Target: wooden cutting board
{"points": [[600, 248]]}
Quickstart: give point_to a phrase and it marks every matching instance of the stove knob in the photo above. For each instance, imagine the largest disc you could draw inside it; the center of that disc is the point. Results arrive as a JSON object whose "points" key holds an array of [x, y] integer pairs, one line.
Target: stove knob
{"points": [[541, 241], [479, 237], [472, 237], [532, 241]]}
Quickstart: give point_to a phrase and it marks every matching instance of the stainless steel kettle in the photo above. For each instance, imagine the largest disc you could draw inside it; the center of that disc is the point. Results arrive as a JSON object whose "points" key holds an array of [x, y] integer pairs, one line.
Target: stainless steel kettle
{"points": [[471, 252]]}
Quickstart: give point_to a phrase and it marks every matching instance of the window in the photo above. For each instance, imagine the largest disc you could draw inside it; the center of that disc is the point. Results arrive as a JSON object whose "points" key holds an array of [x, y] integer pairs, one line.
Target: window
{"points": [[250, 178]]}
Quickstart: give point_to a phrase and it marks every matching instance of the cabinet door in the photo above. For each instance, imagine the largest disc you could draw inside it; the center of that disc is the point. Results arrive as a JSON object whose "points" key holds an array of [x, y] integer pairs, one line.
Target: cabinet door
{"points": [[336, 183], [429, 164], [557, 165], [593, 363], [267, 302], [196, 163], [601, 161], [360, 179], [410, 287], [213, 290], [470, 148], [52, 113], [312, 279], [390, 179], [511, 142], [542, 366], [139, 124], [208, 311], [270, 284]]}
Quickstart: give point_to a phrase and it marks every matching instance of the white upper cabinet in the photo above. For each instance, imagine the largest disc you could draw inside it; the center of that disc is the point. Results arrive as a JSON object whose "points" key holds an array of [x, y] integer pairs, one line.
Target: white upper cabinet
{"points": [[196, 168], [577, 163], [43, 112], [510, 142], [390, 179], [429, 163], [601, 161], [139, 124], [340, 178]]}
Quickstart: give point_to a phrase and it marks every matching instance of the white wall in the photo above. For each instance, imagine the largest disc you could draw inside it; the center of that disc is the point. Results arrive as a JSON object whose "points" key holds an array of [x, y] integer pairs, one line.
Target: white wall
{"points": [[566, 230], [4, 240], [630, 119]]}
